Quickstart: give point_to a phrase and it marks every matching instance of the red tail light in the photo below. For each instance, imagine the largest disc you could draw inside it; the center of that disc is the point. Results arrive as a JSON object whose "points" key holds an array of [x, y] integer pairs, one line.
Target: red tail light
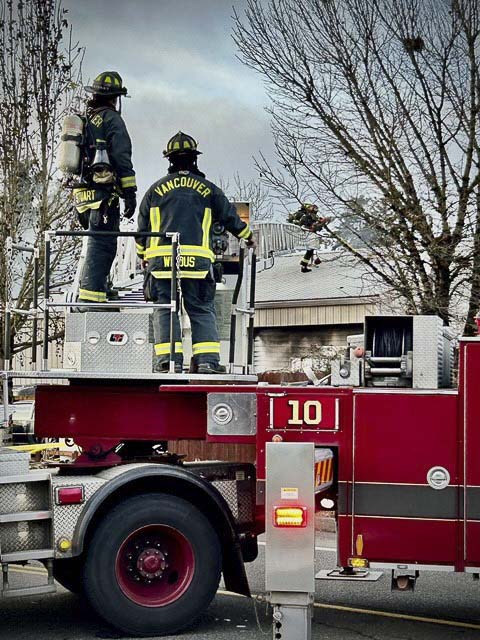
{"points": [[69, 495], [290, 516]]}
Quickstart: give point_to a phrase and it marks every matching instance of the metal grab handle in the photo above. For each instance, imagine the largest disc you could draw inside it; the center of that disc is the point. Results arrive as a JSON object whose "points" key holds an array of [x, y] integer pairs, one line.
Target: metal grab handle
{"points": [[233, 316], [118, 234], [247, 312], [114, 304], [23, 247], [253, 278]]}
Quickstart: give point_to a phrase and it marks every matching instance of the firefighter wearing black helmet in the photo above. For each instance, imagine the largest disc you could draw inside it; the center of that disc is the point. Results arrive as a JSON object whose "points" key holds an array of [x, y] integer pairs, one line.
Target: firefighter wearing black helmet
{"points": [[108, 175], [184, 201]]}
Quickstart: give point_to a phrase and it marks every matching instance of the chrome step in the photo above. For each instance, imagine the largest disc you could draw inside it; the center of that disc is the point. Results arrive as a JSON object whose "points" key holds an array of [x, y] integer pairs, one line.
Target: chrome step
{"points": [[22, 556], [22, 516], [31, 476]]}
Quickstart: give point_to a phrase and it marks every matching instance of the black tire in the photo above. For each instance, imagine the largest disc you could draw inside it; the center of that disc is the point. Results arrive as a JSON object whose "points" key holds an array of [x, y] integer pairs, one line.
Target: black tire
{"points": [[105, 586], [69, 573]]}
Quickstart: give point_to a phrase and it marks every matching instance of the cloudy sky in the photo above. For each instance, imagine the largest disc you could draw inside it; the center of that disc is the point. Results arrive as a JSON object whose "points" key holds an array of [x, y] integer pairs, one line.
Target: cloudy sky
{"points": [[177, 59]]}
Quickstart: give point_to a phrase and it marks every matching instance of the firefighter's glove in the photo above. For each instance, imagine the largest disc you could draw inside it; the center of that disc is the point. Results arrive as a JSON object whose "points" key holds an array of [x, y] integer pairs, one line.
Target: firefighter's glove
{"points": [[250, 241], [84, 218], [130, 199]]}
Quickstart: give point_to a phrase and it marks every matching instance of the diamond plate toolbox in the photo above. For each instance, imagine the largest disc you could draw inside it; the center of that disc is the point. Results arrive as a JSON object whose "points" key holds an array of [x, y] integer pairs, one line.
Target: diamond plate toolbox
{"points": [[13, 463], [106, 341]]}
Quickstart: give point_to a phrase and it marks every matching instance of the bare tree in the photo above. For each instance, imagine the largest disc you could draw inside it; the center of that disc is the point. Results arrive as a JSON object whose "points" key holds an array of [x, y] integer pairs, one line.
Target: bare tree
{"points": [[40, 78], [378, 102], [252, 191]]}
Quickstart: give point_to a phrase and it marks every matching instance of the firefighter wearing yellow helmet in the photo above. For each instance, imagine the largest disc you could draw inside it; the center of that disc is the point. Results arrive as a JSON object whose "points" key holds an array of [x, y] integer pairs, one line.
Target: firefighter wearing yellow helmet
{"points": [[107, 176], [184, 201]]}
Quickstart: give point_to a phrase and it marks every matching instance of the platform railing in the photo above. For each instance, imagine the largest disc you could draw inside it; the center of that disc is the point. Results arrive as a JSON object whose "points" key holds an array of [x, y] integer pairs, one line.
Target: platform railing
{"points": [[41, 307], [10, 310], [245, 261], [172, 305]]}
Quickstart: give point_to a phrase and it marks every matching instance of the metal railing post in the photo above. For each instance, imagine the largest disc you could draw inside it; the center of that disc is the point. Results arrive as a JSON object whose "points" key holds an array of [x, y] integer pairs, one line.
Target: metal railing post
{"points": [[251, 308], [233, 316], [46, 295], [36, 264], [7, 336], [7, 331], [6, 403], [173, 298]]}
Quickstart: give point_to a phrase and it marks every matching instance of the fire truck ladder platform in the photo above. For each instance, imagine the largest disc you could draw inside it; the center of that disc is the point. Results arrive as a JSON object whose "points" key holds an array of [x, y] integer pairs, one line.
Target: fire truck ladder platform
{"points": [[237, 372], [65, 374]]}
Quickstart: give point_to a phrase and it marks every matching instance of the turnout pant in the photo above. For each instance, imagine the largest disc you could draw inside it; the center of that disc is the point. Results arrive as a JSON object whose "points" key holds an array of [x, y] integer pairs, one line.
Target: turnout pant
{"points": [[101, 252], [198, 299], [306, 258]]}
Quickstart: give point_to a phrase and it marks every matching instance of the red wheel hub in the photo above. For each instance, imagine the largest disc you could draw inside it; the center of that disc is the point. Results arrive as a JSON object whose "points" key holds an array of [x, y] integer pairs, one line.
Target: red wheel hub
{"points": [[151, 563], [155, 565]]}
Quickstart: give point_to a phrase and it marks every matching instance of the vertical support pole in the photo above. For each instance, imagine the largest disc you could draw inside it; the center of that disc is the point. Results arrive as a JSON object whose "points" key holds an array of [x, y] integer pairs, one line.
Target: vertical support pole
{"points": [[7, 345], [173, 300], [36, 260], [6, 585], [8, 337], [290, 550], [251, 309], [233, 316], [7, 365], [46, 295], [6, 405], [50, 578]]}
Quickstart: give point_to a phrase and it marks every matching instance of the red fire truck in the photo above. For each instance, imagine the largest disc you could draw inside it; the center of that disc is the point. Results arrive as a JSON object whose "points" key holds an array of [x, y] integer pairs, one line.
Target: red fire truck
{"points": [[146, 536]]}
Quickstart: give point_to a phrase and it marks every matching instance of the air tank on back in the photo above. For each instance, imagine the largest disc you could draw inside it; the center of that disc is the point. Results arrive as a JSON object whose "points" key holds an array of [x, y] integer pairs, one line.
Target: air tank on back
{"points": [[69, 152]]}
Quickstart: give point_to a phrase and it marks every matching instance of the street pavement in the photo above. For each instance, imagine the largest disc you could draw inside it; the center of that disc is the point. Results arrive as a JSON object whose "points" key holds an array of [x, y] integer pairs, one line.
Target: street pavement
{"points": [[443, 606]]}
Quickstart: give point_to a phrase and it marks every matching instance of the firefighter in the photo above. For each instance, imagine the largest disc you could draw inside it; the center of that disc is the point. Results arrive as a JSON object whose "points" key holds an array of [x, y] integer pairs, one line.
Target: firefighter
{"points": [[307, 218], [184, 201], [108, 175]]}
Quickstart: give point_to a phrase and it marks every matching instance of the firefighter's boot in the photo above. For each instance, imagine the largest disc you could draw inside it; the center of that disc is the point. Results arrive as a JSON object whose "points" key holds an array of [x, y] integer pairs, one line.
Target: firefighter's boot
{"points": [[111, 292], [210, 368], [164, 367]]}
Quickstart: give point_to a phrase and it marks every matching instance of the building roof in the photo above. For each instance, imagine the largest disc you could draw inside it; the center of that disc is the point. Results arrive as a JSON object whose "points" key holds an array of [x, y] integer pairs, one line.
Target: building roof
{"points": [[338, 277]]}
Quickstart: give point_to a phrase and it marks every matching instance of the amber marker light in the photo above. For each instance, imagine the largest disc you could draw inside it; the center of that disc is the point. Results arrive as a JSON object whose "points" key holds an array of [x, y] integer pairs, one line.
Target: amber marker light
{"points": [[290, 516], [358, 563], [64, 545]]}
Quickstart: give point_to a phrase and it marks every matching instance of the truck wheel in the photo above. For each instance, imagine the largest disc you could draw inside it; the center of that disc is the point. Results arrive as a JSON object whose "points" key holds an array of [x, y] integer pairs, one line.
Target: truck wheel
{"points": [[69, 573], [153, 565]]}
